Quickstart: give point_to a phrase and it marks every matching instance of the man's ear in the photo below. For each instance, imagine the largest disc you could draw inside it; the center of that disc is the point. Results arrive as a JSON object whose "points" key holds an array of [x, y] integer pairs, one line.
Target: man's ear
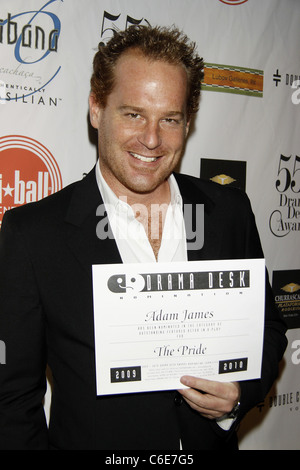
{"points": [[187, 127], [95, 109]]}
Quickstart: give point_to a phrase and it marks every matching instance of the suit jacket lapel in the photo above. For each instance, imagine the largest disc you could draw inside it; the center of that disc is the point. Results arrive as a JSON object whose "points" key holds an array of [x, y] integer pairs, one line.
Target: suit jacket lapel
{"points": [[81, 225], [192, 194]]}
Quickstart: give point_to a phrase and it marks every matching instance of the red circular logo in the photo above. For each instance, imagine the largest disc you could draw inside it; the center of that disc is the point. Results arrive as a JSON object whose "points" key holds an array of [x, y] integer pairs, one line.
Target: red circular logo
{"points": [[28, 172], [233, 2]]}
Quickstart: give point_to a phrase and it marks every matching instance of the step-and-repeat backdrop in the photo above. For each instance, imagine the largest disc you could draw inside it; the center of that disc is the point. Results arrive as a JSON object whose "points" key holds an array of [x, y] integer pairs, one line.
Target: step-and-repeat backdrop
{"points": [[247, 132]]}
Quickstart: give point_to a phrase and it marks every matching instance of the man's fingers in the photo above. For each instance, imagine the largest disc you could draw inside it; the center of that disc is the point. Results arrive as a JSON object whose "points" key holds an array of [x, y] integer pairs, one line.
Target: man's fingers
{"points": [[206, 403], [227, 390], [211, 399]]}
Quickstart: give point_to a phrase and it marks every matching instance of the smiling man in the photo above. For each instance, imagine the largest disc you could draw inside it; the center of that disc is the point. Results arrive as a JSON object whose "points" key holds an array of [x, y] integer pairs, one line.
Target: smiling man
{"points": [[142, 130], [145, 90]]}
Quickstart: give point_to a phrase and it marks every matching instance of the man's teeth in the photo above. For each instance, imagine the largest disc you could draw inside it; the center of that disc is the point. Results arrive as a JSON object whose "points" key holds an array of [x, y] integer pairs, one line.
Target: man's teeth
{"points": [[143, 159]]}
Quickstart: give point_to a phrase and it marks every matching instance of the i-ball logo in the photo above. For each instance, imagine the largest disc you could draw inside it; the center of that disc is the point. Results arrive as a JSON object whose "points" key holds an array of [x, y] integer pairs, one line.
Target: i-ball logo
{"points": [[28, 172]]}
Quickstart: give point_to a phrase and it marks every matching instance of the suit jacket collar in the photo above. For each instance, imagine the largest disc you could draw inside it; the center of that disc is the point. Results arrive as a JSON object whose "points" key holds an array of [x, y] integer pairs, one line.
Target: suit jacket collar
{"points": [[192, 193], [81, 222], [85, 199]]}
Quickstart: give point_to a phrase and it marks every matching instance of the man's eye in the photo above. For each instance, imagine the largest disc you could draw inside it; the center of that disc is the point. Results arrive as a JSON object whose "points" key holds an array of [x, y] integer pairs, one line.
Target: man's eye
{"points": [[133, 115], [172, 121]]}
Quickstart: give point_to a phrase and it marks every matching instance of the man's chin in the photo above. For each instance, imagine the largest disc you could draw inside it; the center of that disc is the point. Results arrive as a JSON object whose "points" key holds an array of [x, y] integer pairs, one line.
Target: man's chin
{"points": [[144, 187]]}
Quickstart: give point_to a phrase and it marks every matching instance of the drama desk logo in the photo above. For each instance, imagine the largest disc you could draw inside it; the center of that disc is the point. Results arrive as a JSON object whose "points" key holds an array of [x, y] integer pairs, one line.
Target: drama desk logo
{"points": [[28, 172], [224, 172], [286, 288], [178, 281]]}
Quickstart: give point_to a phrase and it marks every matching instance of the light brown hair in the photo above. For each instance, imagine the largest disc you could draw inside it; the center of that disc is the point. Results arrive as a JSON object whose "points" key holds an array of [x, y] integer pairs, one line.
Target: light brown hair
{"points": [[156, 43]]}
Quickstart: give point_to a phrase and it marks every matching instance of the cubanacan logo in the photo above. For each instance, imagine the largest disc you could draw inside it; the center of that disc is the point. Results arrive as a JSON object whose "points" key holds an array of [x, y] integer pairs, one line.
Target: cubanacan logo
{"points": [[29, 42], [28, 172]]}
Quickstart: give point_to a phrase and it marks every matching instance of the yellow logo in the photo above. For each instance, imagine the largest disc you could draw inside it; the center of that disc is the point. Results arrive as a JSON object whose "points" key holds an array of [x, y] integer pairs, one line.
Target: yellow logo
{"points": [[290, 288], [222, 179]]}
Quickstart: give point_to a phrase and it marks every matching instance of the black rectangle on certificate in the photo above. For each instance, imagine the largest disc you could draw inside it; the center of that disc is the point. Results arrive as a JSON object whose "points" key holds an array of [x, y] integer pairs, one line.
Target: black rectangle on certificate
{"points": [[233, 365], [125, 374]]}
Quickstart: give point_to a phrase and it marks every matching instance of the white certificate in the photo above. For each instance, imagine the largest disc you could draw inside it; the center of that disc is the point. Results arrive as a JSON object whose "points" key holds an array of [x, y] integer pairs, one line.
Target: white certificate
{"points": [[155, 322]]}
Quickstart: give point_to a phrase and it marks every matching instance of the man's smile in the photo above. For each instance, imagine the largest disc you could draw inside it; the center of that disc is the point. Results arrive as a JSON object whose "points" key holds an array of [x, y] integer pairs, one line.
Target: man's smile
{"points": [[143, 158]]}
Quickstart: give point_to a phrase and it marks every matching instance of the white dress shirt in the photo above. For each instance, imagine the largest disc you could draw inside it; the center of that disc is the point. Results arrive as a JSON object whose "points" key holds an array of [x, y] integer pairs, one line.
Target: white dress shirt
{"points": [[130, 235]]}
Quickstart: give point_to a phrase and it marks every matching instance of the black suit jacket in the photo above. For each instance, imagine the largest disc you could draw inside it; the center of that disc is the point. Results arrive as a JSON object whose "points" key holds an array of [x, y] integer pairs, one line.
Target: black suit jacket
{"points": [[46, 253]]}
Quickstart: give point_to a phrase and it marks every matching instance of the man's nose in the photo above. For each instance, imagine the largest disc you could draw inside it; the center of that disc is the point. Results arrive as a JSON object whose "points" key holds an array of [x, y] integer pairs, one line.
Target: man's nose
{"points": [[150, 135]]}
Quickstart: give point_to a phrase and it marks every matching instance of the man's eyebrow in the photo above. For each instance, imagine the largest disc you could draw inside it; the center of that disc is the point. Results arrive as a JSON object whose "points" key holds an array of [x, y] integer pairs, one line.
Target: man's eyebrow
{"points": [[127, 107], [137, 109], [175, 113]]}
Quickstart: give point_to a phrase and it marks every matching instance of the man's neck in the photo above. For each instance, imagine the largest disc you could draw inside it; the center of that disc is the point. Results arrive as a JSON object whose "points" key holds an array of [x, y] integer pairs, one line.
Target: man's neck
{"points": [[150, 210]]}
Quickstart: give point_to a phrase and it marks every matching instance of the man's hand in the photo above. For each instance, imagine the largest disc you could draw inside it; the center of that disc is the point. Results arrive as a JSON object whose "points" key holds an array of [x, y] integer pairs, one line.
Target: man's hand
{"points": [[211, 399]]}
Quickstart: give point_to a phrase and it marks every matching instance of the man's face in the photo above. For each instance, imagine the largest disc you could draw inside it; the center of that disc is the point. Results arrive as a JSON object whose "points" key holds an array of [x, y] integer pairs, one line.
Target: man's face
{"points": [[143, 127]]}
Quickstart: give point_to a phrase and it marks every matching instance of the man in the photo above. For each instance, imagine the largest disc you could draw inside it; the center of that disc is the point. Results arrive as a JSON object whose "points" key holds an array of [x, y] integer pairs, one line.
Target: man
{"points": [[145, 90]]}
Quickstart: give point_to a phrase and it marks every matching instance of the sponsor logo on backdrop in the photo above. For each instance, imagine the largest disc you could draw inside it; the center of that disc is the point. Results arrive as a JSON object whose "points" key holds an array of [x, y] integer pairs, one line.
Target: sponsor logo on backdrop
{"points": [[29, 45], [286, 288], [224, 172], [111, 23], [285, 218], [289, 399], [233, 79], [222, 78], [285, 79], [28, 172], [290, 81], [233, 2]]}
